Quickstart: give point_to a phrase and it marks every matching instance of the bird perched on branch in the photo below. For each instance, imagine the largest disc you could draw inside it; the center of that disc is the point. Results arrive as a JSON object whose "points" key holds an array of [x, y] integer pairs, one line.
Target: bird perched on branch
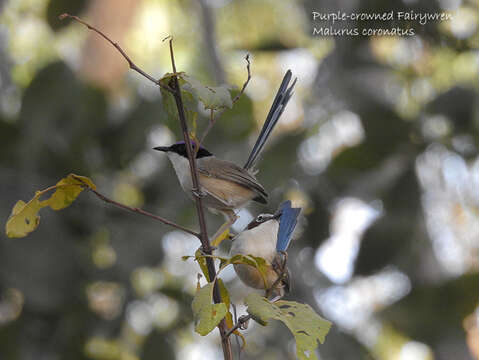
{"points": [[268, 236], [224, 185]]}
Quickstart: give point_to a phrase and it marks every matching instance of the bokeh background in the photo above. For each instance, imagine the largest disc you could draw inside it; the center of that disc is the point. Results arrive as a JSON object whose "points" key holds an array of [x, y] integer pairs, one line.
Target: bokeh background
{"points": [[379, 145]]}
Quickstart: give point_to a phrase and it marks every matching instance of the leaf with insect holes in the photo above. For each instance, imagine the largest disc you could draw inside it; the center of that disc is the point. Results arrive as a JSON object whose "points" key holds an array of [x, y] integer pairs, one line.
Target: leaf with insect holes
{"points": [[24, 217], [206, 314], [213, 98], [307, 327]]}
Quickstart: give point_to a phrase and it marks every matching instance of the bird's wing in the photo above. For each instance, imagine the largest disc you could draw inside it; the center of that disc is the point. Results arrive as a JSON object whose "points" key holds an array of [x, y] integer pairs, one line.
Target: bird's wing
{"points": [[226, 170], [287, 223]]}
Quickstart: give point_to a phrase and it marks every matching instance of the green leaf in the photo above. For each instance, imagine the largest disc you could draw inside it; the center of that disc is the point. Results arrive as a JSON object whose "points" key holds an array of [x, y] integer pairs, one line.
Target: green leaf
{"points": [[169, 102], [207, 315], [212, 97], [24, 217], [307, 327]]}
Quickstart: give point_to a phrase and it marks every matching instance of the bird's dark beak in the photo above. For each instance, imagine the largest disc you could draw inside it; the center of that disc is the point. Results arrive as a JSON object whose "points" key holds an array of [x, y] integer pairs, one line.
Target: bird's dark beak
{"points": [[162, 148]]}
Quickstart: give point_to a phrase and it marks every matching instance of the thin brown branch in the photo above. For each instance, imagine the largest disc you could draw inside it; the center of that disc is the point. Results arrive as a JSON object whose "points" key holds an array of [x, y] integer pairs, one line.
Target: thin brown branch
{"points": [[235, 100], [237, 97], [131, 64], [205, 242], [142, 212]]}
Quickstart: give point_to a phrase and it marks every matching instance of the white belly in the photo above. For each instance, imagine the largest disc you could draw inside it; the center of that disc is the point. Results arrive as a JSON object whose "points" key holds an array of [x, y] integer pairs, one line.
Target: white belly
{"points": [[182, 169], [259, 241]]}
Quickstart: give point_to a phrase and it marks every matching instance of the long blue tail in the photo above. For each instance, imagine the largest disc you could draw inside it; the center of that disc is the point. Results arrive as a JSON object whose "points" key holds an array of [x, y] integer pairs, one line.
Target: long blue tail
{"points": [[287, 223], [280, 101]]}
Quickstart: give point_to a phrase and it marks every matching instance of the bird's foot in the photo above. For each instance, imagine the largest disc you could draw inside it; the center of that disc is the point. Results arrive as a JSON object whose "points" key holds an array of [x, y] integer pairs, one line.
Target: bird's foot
{"points": [[243, 322], [198, 193], [279, 262], [204, 253]]}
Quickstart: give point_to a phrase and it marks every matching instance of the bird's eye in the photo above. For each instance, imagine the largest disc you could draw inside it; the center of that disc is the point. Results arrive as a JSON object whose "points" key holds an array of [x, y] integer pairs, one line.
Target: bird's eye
{"points": [[259, 218]]}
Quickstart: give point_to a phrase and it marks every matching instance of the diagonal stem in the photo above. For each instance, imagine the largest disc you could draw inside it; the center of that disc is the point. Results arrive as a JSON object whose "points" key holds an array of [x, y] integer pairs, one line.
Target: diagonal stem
{"points": [[129, 208]]}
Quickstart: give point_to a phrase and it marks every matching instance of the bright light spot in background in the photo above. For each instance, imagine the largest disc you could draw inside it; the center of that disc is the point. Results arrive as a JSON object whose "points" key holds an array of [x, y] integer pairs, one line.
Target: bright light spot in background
{"points": [[450, 201], [352, 305], [450, 4], [335, 257], [153, 19], [203, 347], [157, 310], [148, 162], [258, 88], [105, 298], [159, 136], [414, 350], [11, 305], [344, 129], [435, 126], [463, 23], [245, 218], [175, 245], [397, 51], [302, 63], [147, 280]]}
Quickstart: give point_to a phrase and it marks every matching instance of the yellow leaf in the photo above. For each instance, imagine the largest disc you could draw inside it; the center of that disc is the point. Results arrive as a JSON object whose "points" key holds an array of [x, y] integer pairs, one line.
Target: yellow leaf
{"points": [[24, 217], [219, 239]]}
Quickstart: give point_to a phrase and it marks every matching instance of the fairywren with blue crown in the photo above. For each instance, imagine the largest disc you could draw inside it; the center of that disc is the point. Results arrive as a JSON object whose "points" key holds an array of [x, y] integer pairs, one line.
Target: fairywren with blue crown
{"points": [[268, 236]]}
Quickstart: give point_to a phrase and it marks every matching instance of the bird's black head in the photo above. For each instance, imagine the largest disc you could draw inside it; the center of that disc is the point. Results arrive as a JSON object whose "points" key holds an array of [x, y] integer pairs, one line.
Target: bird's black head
{"points": [[180, 149]]}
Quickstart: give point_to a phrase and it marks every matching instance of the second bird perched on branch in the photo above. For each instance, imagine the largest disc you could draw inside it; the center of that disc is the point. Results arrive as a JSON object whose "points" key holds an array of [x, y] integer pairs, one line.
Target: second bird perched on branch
{"points": [[224, 185], [268, 236]]}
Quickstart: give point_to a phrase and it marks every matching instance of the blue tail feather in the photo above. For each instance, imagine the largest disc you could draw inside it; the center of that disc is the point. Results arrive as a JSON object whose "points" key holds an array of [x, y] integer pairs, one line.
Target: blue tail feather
{"points": [[287, 223], [279, 104]]}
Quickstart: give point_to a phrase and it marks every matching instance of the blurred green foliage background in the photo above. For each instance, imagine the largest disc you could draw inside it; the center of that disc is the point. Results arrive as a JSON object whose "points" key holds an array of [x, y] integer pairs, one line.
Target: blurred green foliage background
{"points": [[379, 145]]}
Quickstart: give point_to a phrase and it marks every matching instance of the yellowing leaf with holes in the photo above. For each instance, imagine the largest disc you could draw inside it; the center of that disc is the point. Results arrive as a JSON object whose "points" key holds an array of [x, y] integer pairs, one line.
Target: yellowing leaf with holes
{"points": [[307, 327], [24, 217], [207, 315]]}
